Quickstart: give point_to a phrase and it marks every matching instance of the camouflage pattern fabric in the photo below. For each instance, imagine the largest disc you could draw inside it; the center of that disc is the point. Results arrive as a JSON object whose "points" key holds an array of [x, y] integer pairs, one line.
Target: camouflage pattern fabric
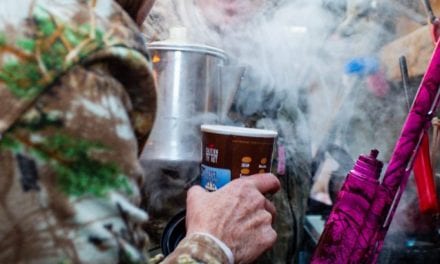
{"points": [[77, 96], [196, 248]]}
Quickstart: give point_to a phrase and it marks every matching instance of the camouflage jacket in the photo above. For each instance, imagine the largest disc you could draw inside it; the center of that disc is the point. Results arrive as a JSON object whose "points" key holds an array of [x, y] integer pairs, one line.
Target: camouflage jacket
{"points": [[77, 95]]}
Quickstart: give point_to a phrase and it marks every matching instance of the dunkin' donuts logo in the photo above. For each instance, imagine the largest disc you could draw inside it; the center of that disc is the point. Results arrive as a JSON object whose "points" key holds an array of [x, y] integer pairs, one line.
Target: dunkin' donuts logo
{"points": [[211, 154]]}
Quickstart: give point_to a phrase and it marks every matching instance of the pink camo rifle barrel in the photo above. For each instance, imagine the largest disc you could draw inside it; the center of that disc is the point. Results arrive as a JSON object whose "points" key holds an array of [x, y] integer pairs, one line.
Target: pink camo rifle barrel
{"points": [[356, 229]]}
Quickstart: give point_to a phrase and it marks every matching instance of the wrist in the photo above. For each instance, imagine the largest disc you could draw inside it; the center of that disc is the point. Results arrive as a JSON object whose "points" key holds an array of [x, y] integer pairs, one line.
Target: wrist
{"points": [[226, 250]]}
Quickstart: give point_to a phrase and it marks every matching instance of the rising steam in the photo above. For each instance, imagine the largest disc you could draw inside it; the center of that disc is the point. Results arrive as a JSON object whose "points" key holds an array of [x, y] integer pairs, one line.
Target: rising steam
{"points": [[298, 49]]}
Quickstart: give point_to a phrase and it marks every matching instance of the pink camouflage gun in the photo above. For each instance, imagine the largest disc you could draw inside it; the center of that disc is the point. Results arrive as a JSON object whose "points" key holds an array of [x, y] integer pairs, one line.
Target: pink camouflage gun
{"points": [[362, 214]]}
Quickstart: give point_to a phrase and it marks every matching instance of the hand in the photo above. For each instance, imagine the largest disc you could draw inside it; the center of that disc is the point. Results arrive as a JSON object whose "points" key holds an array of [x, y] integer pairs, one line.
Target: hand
{"points": [[238, 214]]}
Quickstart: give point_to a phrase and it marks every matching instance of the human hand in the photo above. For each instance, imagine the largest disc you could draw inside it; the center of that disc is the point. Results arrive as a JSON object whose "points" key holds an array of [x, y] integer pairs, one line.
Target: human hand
{"points": [[238, 214]]}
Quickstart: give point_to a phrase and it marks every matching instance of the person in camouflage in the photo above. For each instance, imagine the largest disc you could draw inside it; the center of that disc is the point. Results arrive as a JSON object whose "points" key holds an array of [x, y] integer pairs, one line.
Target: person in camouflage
{"points": [[77, 98]]}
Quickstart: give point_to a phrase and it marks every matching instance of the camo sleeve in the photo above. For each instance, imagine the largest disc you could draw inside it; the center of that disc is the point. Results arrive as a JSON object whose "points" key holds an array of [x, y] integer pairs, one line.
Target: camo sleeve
{"points": [[195, 249]]}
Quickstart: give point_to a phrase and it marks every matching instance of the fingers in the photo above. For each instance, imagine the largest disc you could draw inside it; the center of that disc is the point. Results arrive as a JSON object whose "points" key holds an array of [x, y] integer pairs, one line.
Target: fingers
{"points": [[270, 207], [270, 236], [265, 183], [194, 192]]}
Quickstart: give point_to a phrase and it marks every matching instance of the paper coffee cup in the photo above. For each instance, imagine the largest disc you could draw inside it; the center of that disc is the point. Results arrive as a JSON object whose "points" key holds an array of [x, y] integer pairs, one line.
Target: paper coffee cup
{"points": [[232, 152]]}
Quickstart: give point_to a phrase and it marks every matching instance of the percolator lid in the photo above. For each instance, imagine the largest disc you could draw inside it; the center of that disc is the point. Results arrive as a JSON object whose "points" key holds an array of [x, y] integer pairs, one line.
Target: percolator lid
{"points": [[178, 42]]}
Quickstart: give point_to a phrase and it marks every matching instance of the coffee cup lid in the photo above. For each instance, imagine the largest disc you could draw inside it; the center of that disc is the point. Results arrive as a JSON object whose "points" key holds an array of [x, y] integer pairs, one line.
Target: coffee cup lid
{"points": [[239, 131]]}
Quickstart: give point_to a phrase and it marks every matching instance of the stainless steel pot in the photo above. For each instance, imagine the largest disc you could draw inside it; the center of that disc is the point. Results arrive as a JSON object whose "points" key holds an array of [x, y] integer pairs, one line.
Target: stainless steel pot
{"points": [[194, 87], [188, 86]]}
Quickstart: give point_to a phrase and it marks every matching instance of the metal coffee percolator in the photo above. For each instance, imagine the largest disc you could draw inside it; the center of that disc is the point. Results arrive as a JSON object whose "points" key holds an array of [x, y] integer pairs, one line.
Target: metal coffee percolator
{"points": [[188, 87], [189, 91], [195, 85]]}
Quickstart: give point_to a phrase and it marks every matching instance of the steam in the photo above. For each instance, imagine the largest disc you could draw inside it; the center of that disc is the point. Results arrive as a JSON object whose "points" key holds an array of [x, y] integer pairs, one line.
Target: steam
{"points": [[298, 50], [291, 47]]}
